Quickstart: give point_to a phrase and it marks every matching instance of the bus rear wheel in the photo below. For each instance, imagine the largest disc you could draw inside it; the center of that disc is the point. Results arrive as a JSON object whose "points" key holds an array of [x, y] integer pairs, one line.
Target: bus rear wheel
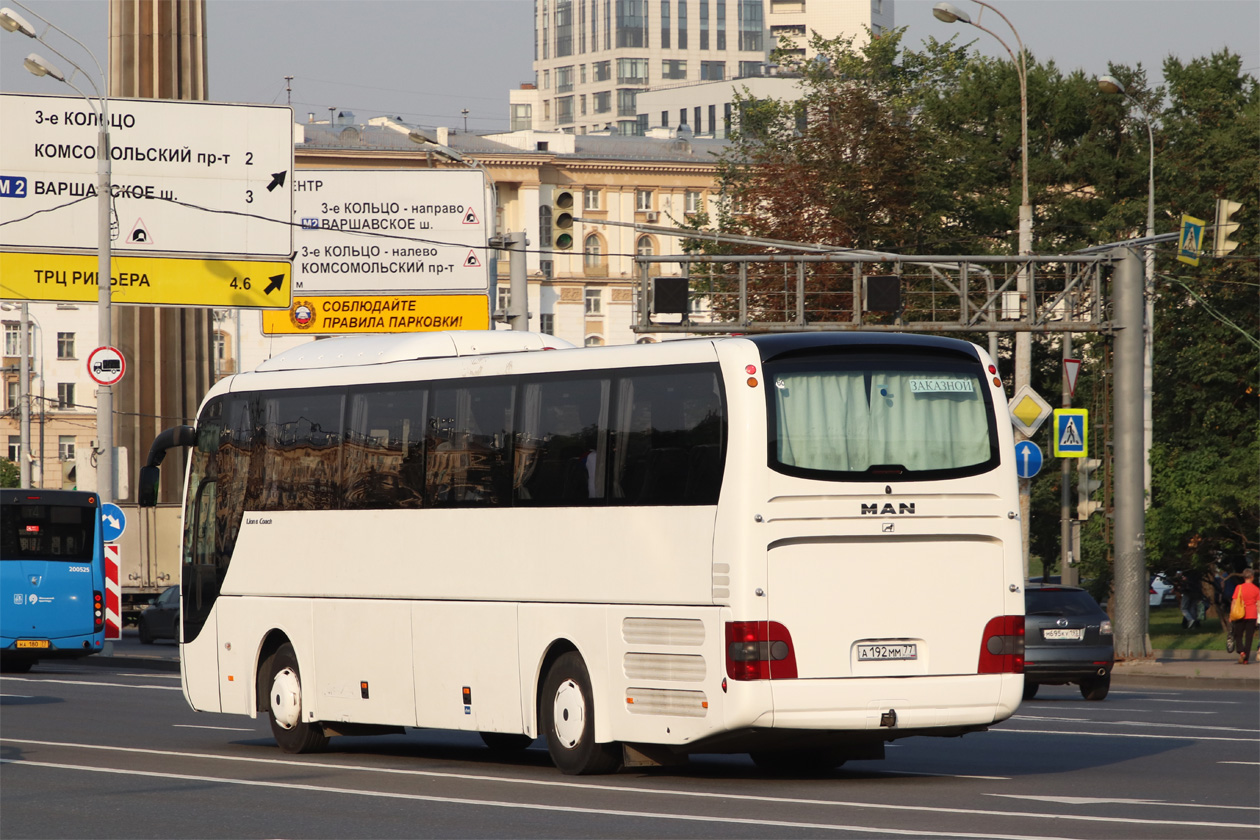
{"points": [[567, 710], [292, 734]]}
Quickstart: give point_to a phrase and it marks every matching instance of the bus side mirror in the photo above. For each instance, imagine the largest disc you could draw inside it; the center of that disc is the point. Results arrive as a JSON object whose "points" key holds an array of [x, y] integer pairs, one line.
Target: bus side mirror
{"points": [[149, 479]]}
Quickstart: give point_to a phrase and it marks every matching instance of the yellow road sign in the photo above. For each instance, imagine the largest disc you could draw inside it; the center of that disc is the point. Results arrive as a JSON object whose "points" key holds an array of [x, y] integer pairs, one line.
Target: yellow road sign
{"points": [[71, 278], [347, 314]]}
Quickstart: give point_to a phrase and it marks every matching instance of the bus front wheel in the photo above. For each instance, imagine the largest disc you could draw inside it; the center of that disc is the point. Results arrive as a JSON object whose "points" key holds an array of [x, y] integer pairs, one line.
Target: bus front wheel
{"points": [[292, 734], [568, 719]]}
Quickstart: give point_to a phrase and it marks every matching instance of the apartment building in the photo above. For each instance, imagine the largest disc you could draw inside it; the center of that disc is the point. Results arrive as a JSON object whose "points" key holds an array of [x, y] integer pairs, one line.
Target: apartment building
{"points": [[594, 59]]}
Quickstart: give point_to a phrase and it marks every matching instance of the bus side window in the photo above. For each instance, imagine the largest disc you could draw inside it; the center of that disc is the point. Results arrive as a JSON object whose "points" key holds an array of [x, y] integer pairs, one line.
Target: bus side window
{"points": [[469, 445], [383, 465], [302, 438], [669, 439], [560, 443]]}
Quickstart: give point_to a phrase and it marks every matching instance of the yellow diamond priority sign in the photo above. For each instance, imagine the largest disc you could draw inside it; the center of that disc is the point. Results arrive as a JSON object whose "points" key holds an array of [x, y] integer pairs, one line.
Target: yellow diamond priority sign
{"points": [[1028, 411]]}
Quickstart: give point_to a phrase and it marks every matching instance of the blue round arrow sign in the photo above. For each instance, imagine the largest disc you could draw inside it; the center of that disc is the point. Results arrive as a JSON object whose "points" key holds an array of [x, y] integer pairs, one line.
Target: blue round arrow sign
{"points": [[1028, 459], [113, 522]]}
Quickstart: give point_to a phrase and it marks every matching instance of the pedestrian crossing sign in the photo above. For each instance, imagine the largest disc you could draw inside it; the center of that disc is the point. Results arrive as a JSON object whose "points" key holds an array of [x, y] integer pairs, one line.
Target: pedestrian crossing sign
{"points": [[1190, 244], [1071, 433]]}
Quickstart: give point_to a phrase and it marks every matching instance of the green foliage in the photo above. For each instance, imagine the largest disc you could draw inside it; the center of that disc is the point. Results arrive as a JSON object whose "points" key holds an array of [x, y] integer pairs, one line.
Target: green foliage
{"points": [[10, 475], [920, 152]]}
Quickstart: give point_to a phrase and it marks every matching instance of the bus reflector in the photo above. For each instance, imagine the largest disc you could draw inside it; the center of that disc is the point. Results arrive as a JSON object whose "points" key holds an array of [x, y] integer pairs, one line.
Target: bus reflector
{"points": [[759, 650], [98, 611], [1002, 647]]}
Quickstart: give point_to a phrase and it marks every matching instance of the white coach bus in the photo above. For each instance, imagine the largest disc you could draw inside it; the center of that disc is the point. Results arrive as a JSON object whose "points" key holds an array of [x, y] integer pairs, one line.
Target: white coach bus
{"points": [[799, 546]]}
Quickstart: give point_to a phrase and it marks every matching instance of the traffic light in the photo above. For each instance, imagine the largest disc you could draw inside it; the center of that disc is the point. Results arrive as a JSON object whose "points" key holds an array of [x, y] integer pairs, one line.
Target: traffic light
{"points": [[1087, 482], [562, 224], [1224, 227]]}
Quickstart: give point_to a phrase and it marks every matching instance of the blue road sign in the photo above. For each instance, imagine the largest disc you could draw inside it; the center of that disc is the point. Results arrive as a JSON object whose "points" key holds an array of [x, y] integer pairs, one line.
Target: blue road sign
{"points": [[1028, 459], [1071, 433], [113, 521]]}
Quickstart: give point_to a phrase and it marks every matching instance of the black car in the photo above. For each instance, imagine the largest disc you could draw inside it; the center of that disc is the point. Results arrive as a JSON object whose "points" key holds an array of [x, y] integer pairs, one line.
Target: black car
{"points": [[161, 619], [1067, 640]]}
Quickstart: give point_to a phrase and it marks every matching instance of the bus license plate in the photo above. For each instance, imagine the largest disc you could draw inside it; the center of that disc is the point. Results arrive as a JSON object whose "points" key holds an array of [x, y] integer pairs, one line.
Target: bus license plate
{"points": [[903, 651], [1071, 635], [32, 643]]}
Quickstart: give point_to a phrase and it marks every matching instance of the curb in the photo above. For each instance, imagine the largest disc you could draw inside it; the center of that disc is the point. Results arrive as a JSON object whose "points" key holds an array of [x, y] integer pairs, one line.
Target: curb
{"points": [[1121, 680]]}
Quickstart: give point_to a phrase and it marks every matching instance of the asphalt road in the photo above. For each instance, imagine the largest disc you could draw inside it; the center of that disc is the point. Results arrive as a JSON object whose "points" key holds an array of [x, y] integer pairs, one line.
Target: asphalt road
{"points": [[102, 751]]}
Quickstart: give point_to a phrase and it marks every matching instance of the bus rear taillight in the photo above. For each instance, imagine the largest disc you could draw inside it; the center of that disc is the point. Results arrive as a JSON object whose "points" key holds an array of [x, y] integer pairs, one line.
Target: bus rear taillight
{"points": [[759, 650], [98, 612], [1002, 647]]}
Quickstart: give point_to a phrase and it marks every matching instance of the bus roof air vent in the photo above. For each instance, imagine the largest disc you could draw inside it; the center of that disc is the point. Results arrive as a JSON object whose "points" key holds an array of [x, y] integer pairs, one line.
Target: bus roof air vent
{"points": [[345, 351]]}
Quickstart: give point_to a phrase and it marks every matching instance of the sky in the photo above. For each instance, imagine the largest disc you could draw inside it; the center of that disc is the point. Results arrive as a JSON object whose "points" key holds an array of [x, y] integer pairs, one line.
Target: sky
{"points": [[427, 60]]}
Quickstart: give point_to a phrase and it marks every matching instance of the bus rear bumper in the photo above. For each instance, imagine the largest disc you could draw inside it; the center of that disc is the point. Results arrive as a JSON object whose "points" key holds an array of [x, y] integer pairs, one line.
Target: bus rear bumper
{"points": [[921, 703]]}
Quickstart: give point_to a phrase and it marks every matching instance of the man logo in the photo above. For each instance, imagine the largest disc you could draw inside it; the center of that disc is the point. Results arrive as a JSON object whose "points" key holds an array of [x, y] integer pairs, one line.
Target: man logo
{"points": [[888, 509]]}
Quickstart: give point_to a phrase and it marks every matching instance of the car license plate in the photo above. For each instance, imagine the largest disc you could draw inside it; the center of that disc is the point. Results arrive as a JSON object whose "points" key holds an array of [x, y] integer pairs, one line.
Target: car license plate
{"points": [[32, 643], [879, 652], [1070, 635]]}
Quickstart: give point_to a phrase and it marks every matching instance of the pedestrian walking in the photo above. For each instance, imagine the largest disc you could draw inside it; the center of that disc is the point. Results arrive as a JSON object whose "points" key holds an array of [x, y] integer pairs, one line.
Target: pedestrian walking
{"points": [[1245, 628], [1228, 585]]}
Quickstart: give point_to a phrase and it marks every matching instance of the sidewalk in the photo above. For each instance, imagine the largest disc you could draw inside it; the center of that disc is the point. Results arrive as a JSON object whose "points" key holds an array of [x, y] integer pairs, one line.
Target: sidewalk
{"points": [[1188, 669], [1166, 669]]}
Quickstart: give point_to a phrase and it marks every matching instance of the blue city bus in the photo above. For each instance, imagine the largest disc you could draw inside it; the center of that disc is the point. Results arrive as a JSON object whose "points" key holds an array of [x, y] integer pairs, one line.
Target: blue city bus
{"points": [[52, 576]]}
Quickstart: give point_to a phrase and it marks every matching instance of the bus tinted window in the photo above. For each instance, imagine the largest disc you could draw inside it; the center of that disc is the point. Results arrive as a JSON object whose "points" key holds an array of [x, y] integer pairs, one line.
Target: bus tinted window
{"points": [[47, 532], [301, 469], [668, 439], [469, 444], [384, 450], [855, 417], [560, 446]]}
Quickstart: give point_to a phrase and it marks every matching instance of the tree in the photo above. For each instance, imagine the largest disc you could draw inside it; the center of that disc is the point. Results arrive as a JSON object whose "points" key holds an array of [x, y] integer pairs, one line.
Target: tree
{"points": [[10, 475], [1205, 503]]}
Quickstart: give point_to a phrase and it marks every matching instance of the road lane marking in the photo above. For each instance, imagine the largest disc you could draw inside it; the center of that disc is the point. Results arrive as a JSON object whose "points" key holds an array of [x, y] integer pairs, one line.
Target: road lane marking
{"points": [[1057, 707], [20, 696], [1208, 702], [88, 682], [215, 728], [1248, 763], [565, 809], [637, 791], [1167, 736], [882, 772], [1139, 723], [1094, 800]]}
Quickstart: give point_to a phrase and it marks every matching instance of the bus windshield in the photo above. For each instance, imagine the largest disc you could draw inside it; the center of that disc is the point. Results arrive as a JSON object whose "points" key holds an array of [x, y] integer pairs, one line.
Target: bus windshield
{"points": [[861, 417]]}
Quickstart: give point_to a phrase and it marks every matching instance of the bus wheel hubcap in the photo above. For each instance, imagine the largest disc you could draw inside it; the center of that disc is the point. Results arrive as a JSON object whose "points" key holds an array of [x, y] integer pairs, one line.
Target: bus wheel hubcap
{"points": [[569, 714], [286, 698]]}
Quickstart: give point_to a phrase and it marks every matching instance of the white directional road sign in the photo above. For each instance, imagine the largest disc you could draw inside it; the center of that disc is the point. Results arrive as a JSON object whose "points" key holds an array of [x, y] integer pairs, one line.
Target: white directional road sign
{"points": [[203, 178], [386, 231]]}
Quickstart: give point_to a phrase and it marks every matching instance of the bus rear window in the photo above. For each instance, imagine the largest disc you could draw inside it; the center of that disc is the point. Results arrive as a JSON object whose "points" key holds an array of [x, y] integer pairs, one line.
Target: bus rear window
{"points": [[869, 417], [47, 532]]}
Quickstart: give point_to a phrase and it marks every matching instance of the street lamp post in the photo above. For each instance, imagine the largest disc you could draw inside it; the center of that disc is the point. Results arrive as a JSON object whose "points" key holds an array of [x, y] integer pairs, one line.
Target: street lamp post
{"points": [[949, 13], [1110, 84], [13, 22]]}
